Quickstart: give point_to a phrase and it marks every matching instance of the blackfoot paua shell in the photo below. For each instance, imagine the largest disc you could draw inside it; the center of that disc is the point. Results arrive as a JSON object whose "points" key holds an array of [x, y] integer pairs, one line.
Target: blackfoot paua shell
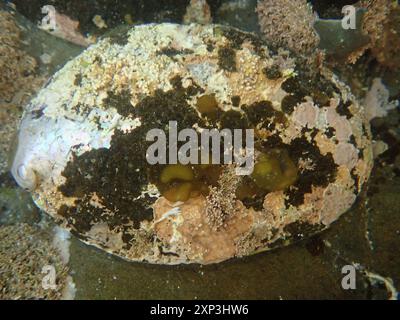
{"points": [[82, 143]]}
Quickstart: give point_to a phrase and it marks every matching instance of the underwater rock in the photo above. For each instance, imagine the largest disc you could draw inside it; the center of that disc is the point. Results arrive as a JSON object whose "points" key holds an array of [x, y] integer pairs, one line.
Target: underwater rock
{"points": [[382, 24], [82, 145], [19, 77], [339, 42], [16, 206]]}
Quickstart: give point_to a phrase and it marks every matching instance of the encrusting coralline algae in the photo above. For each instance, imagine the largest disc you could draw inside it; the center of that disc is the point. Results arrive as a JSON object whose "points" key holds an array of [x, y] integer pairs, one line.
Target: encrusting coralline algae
{"points": [[88, 165]]}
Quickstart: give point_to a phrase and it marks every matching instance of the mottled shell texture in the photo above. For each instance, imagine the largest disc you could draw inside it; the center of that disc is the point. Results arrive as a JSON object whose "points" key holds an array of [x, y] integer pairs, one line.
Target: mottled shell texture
{"points": [[82, 145]]}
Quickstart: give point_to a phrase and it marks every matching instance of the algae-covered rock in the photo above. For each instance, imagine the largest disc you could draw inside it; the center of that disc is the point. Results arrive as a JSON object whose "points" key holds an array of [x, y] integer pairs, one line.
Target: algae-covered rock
{"points": [[338, 41], [82, 145], [26, 256]]}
